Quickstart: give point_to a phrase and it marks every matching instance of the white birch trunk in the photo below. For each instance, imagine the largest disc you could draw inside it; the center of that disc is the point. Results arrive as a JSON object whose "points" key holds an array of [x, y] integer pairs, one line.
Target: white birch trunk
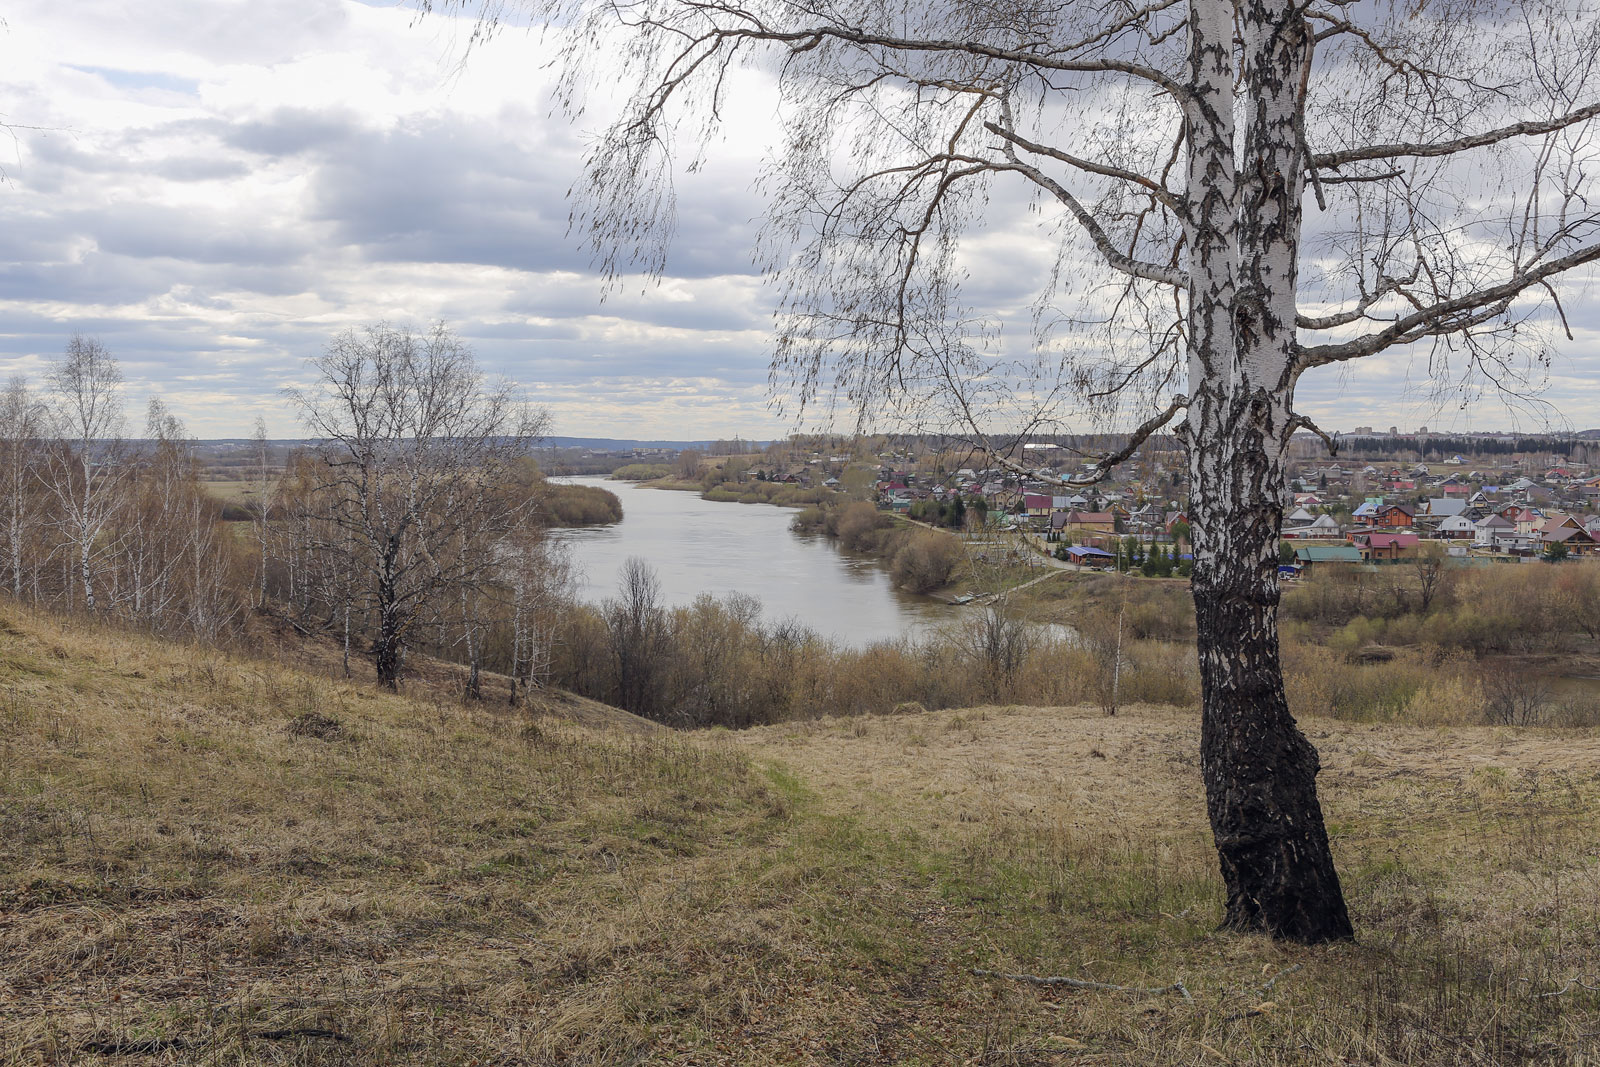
{"points": [[1244, 233]]}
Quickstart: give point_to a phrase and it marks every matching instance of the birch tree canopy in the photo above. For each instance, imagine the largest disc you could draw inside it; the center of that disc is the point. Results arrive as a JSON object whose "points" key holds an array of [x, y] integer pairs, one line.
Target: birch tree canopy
{"points": [[1240, 191], [414, 452]]}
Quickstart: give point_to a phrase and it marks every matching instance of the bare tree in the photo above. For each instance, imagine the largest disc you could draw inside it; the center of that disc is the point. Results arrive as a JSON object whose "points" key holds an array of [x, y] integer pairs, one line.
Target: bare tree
{"points": [[310, 551], [1511, 698], [129, 525], [22, 508], [688, 466], [1169, 147], [156, 523], [637, 623], [86, 461], [1431, 563], [190, 582], [997, 638], [265, 483], [538, 574], [1578, 597], [414, 448], [996, 635]]}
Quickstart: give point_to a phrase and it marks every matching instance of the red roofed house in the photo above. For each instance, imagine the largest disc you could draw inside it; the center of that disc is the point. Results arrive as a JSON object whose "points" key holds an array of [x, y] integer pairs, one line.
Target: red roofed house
{"points": [[1384, 545]]}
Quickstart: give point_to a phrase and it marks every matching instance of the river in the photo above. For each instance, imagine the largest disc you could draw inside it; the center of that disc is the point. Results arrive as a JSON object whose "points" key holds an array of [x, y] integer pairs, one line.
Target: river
{"points": [[697, 546]]}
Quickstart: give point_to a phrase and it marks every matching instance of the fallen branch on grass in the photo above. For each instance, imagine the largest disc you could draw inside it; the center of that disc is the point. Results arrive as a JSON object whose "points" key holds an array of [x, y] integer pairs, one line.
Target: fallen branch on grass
{"points": [[1175, 987], [151, 1045], [1254, 1013], [1580, 980], [1266, 987], [1084, 983]]}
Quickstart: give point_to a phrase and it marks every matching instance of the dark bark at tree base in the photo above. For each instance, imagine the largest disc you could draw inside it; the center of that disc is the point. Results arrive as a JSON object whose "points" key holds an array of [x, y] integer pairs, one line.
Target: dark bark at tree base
{"points": [[1260, 771], [1260, 776], [387, 657]]}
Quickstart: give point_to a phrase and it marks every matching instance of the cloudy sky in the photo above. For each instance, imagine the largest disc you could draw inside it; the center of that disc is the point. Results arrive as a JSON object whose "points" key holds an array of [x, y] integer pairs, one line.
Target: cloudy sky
{"points": [[214, 187]]}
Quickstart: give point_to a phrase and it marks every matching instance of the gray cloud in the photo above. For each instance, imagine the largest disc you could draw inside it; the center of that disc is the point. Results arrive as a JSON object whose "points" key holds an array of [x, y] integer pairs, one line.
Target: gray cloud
{"points": [[292, 132], [220, 193], [448, 190]]}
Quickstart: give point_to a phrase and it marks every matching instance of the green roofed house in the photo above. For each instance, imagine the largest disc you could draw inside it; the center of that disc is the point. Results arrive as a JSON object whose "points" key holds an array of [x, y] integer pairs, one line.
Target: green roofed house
{"points": [[1311, 554]]}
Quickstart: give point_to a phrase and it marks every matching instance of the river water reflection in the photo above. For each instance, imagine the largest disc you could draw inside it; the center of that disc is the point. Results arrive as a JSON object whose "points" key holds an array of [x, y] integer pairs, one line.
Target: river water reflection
{"points": [[697, 546]]}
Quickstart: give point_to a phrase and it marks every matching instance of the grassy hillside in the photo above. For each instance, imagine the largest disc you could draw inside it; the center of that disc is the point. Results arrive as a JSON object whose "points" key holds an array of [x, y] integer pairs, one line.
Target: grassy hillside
{"points": [[211, 860]]}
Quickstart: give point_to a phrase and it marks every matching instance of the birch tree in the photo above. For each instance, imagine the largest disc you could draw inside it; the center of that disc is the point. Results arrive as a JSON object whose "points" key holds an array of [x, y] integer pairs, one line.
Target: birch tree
{"points": [[538, 575], [264, 482], [22, 507], [154, 531], [178, 558], [413, 450], [86, 468], [1169, 151]]}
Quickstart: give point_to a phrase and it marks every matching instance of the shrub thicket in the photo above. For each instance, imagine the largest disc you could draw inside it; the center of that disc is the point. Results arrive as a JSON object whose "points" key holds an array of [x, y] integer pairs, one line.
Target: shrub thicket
{"points": [[579, 505], [717, 662], [1481, 609], [919, 560], [783, 494], [925, 561], [642, 472]]}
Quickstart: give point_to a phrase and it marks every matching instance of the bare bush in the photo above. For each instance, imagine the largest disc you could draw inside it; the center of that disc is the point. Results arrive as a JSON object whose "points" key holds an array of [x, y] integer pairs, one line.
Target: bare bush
{"points": [[997, 640], [637, 626], [925, 562], [1511, 698], [858, 526]]}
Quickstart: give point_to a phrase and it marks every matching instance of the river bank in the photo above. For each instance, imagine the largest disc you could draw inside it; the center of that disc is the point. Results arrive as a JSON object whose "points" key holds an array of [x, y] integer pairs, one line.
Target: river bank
{"points": [[1440, 664], [682, 485]]}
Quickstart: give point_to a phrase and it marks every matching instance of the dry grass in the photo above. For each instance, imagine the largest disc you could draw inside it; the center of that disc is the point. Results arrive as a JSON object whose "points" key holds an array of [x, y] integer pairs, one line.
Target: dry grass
{"points": [[192, 857], [205, 860], [1063, 842], [231, 490], [272, 637]]}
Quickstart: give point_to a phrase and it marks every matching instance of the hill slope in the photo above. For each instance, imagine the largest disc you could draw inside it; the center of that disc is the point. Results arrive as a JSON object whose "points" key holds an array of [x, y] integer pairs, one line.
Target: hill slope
{"points": [[208, 860]]}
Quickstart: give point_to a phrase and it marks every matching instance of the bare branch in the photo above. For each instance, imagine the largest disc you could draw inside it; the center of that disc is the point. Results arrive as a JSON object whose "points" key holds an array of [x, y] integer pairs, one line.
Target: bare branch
{"points": [[1352, 179], [1103, 464], [1386, 287], [1452, 315], [1301, 422], [1114, 257], [1460, 144], [852, 35], [1266, 987], [1157, 190]]}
